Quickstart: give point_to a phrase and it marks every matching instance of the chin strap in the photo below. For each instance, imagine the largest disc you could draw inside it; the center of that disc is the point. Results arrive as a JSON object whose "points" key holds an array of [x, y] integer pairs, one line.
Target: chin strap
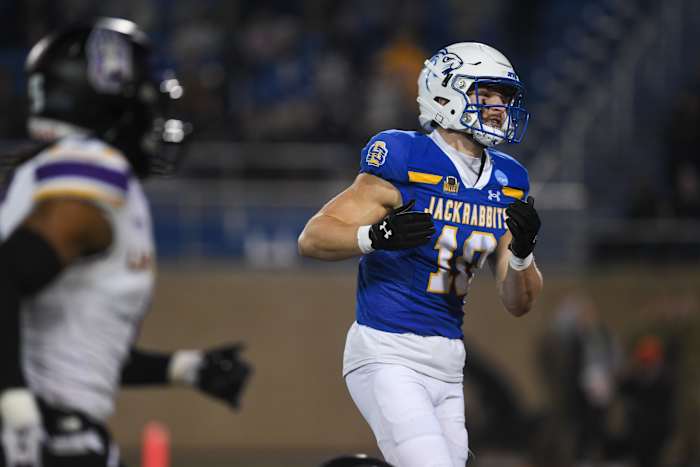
{"points": [[486, 135]]}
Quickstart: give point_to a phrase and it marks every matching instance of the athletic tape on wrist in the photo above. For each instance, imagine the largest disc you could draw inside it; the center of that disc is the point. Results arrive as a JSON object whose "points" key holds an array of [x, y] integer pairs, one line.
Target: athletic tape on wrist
{"points": [[184, 366], [363, 240], [520, 264]]}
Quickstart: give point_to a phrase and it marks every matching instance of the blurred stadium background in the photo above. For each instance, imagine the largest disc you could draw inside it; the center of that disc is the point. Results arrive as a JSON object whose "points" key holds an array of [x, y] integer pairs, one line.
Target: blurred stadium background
{"points": [[283, 95]]}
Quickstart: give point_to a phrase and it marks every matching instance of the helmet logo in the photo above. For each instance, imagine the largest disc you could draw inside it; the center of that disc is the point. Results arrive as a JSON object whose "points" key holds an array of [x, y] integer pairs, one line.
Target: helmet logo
{"points": [[37, 99], [446, 61], [109, 59], [377, 153]]}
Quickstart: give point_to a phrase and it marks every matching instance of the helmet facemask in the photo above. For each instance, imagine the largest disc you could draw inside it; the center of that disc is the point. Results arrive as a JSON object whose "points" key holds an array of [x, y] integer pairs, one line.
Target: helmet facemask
{"points": [[513, 126], [167, 141]]}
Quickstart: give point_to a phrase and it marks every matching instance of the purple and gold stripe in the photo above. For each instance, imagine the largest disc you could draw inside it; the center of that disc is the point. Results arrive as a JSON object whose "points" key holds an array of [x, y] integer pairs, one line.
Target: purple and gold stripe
{"points": [[111, 177]]}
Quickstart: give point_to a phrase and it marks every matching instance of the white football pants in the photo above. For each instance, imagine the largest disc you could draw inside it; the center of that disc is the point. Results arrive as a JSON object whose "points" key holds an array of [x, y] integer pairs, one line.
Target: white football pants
{"points": [[418, 420]]}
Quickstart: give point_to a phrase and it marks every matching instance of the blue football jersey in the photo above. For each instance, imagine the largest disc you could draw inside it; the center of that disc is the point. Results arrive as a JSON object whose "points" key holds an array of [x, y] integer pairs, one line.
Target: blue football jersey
{"points": [[422, 290]]}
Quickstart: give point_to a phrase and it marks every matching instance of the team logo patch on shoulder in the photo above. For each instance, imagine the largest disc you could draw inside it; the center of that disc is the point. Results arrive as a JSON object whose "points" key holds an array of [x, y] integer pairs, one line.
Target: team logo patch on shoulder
{"points": [[377, 153], [451, 185], [501, 177]]}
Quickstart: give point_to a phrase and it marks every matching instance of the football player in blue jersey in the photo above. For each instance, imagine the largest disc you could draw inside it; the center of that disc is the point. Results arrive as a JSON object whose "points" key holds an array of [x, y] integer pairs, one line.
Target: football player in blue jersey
{"points": [[427, 210]]}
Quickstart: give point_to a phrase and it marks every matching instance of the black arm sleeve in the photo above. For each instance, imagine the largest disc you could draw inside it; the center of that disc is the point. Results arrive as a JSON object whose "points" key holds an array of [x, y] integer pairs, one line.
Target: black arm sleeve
{"points": [[27, 264], [146, 368]]}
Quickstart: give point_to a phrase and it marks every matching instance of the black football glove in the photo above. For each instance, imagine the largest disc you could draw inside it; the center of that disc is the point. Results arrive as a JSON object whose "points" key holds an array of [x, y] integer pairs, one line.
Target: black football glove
{"points": [[523, 223], [402, 228], [223, 374]]}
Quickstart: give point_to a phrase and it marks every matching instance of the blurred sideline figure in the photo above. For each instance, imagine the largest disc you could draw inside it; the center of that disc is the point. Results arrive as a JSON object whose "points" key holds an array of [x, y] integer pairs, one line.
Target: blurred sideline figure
{"points": [[425, 213], [649, 393], [659, 386], [77, 260], [580, 360]]}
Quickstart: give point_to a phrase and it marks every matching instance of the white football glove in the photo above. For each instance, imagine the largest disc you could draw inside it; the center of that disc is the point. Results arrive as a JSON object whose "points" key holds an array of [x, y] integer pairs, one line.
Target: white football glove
{"points": [[22, 431]]}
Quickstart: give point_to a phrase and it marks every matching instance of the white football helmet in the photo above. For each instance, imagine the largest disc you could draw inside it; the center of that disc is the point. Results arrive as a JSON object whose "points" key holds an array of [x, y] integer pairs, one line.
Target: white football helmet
{"points": [[458, 69]]}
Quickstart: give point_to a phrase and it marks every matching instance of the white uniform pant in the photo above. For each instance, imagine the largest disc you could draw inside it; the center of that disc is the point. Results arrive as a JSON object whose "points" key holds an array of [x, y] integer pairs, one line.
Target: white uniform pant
{"points": [[418, 420]]}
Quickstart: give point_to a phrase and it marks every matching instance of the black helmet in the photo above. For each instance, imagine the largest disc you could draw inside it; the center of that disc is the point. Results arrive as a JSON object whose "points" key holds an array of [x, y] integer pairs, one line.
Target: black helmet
{"points": [[96, 78], [358, 460]]}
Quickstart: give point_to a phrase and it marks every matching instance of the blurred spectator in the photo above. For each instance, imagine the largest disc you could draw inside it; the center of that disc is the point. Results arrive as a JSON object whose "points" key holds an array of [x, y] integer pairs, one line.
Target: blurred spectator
{"points": [[497, 418], [282, 71], [198, 46], [580, 358], [687, 193], [658, 389], [309, 70], [648, 390], [391, 95], [673, 321], [337, 93], [276, 99]]}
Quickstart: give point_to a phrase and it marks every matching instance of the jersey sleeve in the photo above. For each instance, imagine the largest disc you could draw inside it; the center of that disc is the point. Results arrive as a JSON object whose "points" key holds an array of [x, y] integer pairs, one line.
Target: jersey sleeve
{"points": [[386, 156], [520, 186], [98, 176]]}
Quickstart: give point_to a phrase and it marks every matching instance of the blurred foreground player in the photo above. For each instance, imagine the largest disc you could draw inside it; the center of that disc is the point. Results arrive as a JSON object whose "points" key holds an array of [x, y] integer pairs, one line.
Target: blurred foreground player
{"points": [[425, 213], [77, 260]]}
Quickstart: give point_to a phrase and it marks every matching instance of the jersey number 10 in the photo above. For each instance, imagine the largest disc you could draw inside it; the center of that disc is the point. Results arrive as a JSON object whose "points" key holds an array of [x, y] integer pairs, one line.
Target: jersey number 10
{"points": [[457, 273]]}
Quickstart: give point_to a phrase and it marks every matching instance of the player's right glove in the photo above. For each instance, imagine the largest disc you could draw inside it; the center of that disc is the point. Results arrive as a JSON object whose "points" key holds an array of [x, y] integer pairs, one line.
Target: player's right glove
{"points": [[402, 228], [223, 374]]}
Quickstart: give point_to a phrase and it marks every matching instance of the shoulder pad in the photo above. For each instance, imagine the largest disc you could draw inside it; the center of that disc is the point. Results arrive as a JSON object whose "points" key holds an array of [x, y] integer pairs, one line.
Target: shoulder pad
{"points": [[509, 172], [82, 168], [387, 153]]}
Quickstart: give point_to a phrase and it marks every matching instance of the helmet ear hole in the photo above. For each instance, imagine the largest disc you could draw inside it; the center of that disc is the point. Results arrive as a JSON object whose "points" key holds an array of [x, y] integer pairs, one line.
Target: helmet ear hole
{"points": [[441, 101]]}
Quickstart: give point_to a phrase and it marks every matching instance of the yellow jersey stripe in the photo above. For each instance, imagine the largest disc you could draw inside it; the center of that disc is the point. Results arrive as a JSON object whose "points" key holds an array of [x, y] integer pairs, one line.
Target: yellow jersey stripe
{"points": [[513, 192], [96, 153], [419, 177], [92, 195]]}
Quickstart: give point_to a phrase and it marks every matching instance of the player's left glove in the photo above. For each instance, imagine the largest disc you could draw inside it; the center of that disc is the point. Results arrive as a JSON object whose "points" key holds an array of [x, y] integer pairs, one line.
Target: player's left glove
{"points": [[524, 224], [22, 431], [222, 374]]}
